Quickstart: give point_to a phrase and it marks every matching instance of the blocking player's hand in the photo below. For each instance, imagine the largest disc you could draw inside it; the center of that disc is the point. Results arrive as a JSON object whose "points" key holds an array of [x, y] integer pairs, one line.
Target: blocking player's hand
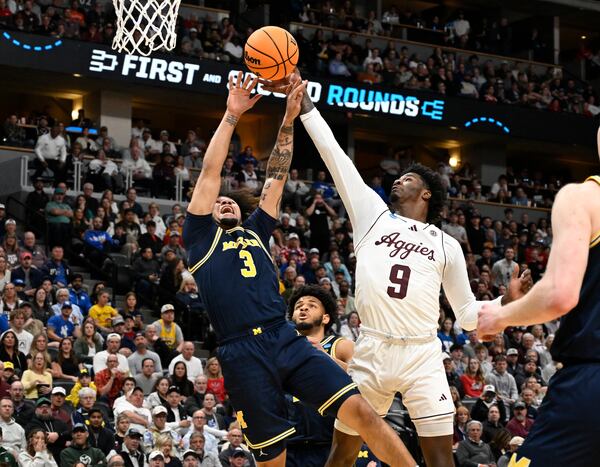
{"points": [[240, 94], [488, 322], [518, 285], [294, 101], [282, 86]]}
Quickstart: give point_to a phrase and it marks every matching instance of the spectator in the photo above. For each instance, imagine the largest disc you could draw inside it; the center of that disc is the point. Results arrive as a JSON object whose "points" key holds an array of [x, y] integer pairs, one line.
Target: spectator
{"points": [[103, 313], [193, 364], [109, 381], [132, 407], [131, 449], [36, 453], [451, 375], [502, 380], [215, 380], [168, 330], [51, 153], [9, 352], [492, 425], [104, 173], [351, 329], [147, 378], [65, 364], [472, 379], [37, 381], [519, 424], [235, 449], [88, 344], [80, 448], [13, 434], [180, 380], [58, 217], [57, 432], [487, 400], [473, 452], [101, 437], [56, 268], [503, 269], [138, 167], [17, 323], [113, 343]]}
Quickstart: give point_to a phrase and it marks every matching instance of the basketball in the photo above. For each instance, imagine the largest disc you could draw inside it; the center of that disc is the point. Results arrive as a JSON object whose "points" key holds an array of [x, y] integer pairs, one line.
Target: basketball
{"points": [[271, 52]]}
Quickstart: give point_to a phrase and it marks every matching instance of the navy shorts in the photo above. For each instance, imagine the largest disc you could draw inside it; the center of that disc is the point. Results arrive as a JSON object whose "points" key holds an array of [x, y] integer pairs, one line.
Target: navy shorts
{"points": [[566, 431], [260, 369], [307, 455]]}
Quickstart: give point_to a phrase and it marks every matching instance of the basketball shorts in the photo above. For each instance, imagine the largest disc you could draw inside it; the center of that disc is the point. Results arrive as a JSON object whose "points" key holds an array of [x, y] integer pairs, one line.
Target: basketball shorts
{"points": [[384, 365], [260, 369], [566, 430]]}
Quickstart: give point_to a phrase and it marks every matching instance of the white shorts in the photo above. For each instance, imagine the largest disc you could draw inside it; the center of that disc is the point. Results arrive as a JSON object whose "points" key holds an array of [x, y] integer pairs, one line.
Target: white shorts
{"points": [[383, 366]]}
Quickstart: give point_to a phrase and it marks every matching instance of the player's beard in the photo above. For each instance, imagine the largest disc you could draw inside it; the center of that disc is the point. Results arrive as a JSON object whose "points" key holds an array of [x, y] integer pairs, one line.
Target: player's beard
{"points": [[307, 326], [394, 197], [228, 222]]}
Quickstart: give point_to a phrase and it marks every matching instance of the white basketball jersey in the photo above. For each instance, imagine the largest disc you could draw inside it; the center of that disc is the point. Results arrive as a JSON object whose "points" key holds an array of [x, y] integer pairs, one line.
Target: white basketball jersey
{"points": [[400, 265]]}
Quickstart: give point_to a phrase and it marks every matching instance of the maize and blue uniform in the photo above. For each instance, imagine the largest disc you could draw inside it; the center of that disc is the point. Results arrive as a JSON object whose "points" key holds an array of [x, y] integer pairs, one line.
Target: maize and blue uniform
{"points": [[566, 430], [261, 354], [310, 445]]}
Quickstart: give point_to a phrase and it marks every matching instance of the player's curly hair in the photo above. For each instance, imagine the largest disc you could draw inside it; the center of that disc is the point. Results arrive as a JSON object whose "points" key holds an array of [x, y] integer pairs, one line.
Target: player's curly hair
{"points": [[433, 182], [320, 294]]}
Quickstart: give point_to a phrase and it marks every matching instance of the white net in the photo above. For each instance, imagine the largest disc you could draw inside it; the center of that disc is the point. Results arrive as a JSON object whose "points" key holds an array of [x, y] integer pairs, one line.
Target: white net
{"points": [[144, 26]]}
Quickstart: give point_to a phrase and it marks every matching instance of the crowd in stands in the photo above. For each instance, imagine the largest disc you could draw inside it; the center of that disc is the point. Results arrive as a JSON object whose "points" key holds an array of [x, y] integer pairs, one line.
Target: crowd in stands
{"points": [[444, 72], [93, 352], [355, 58]]}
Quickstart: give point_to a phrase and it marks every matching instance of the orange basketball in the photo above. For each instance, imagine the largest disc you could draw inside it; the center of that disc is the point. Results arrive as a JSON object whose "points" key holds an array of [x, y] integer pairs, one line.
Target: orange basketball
{"points": [[271, 52]]}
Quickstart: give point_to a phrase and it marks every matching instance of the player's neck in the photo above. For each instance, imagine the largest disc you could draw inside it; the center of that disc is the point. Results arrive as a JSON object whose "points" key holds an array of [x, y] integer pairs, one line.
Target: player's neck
{"points": [[411, 211], [316, 333]]}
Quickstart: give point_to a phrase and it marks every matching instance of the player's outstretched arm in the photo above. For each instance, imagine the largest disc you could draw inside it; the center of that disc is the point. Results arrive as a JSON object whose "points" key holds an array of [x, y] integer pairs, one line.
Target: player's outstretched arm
{"points": [[361, 202], [558, 291], [209, 183], [280, 159]]}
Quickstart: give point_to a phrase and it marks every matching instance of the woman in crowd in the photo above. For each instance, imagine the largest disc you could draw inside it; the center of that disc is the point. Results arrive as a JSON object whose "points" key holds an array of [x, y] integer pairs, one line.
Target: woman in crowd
{"points": [[446, 334], [65, 365], [482, 354], [121, 427], [4, 273], [88, 344], [39, 345], [209, 407], [131, 305], [10, 301], [461, 418], [215, 380], [180, 379], [171, 279], [42, 308], [81, 203], [37, 381], [9, 351], [108, 195], [500, 443], [498, 346], [455, 397], [472, 379], [164, 444], [36, 454], [325, 283], [351, 329], [159, 394], [11, 250]]}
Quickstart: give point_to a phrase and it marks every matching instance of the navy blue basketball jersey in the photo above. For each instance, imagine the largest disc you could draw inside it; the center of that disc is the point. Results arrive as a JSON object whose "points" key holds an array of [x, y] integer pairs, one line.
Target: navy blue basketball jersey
{"points": [[578, 337], [310, 425], [235, 273]]}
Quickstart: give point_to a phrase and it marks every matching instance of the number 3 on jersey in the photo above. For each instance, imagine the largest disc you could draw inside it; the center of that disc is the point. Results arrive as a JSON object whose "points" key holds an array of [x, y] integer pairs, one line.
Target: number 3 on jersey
{"points": [[399, 276], [250, 269]]}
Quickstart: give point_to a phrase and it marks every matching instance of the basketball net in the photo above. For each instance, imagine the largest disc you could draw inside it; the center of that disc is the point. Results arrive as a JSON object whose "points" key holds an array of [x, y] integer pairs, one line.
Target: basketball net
{"points": [[144, 26]]}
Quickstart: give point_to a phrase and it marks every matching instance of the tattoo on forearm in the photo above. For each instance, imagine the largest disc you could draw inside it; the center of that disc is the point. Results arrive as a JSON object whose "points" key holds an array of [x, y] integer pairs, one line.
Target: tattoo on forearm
{"points": [[231, 119], [306, 105], [281, 156]]}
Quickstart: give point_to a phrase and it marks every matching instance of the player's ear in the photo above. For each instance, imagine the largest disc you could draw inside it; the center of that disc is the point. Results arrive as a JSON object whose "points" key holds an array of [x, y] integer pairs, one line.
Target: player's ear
{"points": [[326, 318], [427, 195]]}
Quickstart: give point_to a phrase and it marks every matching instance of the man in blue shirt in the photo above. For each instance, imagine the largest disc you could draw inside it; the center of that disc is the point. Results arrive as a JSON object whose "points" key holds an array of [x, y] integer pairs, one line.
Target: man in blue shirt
{"points": [[78, 295], [57, 269], [97, 241], [60, 326]]}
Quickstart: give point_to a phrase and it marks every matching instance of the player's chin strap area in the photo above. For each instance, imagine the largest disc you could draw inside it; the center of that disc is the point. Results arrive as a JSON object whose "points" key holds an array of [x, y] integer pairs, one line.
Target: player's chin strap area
{"points": [[394, 339]]}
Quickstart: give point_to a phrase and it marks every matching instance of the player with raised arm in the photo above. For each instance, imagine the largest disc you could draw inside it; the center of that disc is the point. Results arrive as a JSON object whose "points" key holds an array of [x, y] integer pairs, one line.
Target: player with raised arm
{"points": [[403, 260], [261, 354], [566, 430]]}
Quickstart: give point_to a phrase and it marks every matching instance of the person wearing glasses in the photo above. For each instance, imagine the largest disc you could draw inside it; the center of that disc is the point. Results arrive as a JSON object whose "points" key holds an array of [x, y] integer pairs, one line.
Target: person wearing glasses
{"points": [[212, 436]]}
